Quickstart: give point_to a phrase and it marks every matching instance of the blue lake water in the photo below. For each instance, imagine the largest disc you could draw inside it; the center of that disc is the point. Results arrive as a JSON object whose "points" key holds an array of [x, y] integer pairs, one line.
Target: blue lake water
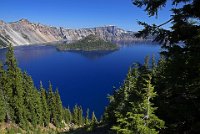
{"points": [[83, 78]]}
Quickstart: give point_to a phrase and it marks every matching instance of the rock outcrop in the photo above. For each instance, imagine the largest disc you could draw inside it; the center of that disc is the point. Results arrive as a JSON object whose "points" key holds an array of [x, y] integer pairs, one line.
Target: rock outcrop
{"points": [[24, 32]]}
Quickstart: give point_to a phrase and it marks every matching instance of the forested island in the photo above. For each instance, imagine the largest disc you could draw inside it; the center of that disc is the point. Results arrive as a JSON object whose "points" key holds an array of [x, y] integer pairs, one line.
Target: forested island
{"points": [[89, 43]]}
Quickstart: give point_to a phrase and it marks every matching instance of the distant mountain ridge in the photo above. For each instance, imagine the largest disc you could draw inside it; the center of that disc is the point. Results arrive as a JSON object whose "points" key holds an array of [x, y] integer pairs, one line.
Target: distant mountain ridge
{"points": [[24, 32]]}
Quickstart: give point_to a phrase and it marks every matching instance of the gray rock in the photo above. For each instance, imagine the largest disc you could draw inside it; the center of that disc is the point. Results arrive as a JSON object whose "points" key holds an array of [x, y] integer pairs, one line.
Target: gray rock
{"points": [[24, 32]]}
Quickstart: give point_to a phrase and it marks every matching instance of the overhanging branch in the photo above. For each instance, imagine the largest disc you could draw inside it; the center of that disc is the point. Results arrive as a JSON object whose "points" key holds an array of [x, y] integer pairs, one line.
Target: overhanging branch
{"points": [[165, 22]]}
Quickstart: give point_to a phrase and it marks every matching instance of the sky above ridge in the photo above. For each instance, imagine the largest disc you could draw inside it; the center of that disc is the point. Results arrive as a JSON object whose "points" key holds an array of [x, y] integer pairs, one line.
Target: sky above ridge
{"points": [[80, 13]]}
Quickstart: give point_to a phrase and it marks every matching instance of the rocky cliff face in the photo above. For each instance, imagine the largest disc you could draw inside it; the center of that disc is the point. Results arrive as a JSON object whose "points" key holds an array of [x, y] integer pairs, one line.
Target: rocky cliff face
{"points": [[24, 32]]}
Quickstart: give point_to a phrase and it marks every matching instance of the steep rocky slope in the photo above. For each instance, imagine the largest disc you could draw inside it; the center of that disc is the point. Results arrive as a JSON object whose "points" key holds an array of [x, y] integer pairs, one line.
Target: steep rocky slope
{"points": [[24, 32]]}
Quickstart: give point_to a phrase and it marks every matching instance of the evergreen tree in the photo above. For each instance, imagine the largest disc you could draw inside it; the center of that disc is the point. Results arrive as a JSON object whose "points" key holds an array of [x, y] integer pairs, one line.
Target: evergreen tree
{"points": [[26, 106], [38, 106], [29, 99], [80, 116], [45, 109], [4, 86], [179, 84], [15, 91], [58, 108], [51, 104], [134, 113], [32, 101], [2, 100], [119, 100], [142, 113], [94, 120], [87, 118], [75, 115], [2, 107], [67, 115], [22, 103]]}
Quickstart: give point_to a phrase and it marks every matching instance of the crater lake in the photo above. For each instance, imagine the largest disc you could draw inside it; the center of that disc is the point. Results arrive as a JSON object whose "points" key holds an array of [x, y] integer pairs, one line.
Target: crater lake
{"points": [[83, 78]]}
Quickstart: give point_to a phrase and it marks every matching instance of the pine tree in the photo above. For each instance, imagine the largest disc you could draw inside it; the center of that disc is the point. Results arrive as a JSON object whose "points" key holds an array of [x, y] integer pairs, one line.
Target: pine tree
{"points": [[45, 109], [2, 100], [58, 108], [80, 116], [2, 107], [51, 104], [6, 84], [87, 118], [3, 87], [94, 120], [119, 101], [135, 112], [142, 113], [75, 115], [21, 102], [178, 85], [67, 115], [29, 99], [38, 107], [32, 101], [15, 91]]}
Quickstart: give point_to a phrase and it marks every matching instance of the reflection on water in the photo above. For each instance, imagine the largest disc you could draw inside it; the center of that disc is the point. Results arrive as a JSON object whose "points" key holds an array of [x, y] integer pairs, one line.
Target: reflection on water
{"points": [[93, 54], [27, 53]]}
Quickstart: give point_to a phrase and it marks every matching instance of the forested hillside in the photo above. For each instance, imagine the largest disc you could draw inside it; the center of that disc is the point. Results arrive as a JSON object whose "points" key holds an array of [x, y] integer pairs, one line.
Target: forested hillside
{"points": [[162, 98], [23, 107]]}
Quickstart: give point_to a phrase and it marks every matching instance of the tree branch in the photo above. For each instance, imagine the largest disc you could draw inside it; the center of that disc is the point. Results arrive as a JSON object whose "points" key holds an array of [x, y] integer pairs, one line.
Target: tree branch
{"points": [[165, 22]]}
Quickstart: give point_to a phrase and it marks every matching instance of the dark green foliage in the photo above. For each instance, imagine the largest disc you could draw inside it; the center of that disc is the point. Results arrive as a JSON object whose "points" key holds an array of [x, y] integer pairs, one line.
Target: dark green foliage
{"points": [[3, 88], [15, 90], [177, 79], [67, 115], [29, 98], [94, 123], [131, 109], [2, 99], [52, 104], [58, 108], [87, 118], [94, 119], [75, 114], [45, 108], [32, 101], [78, 118], [2, 107], [38, 107], [89, 43], [55, 107], [23, 104], [119, 97]]}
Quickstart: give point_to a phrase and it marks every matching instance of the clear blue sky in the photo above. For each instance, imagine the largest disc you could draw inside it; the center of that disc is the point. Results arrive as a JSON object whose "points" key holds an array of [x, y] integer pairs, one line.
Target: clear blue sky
{"points": [[79, 13]]}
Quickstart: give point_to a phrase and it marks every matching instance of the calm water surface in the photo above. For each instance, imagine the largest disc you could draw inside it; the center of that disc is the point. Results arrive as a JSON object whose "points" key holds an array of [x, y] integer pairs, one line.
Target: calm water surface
{"points": [[84, 78]]}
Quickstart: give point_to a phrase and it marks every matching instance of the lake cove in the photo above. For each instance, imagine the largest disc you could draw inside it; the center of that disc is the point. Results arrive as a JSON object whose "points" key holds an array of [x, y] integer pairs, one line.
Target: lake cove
{"points": [[83, 78]]}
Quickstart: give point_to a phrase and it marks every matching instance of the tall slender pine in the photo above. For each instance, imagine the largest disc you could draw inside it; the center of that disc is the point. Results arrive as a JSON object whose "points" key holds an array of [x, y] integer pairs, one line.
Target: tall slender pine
{"points": [[45, 108], [15, 91]]}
